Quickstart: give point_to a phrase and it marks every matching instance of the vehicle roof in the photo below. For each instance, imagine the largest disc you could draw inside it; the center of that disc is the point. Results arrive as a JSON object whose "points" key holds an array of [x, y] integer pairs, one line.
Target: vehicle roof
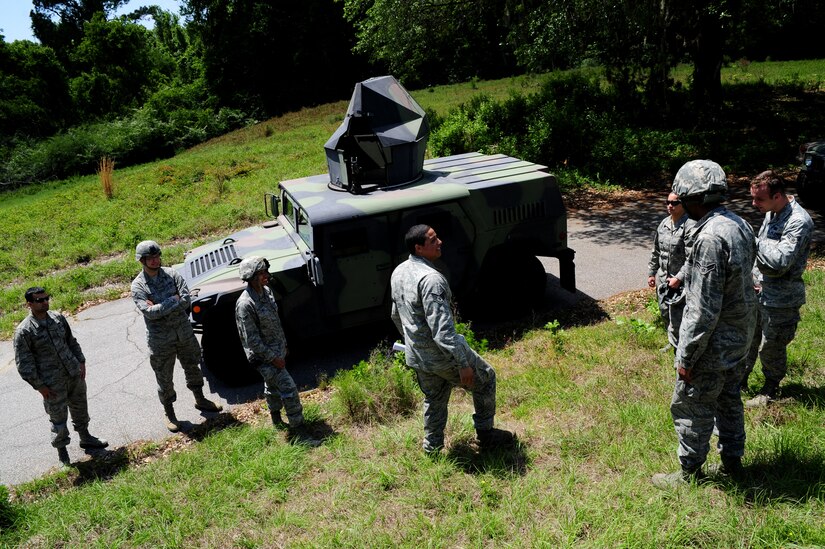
{"points": [[444, 179]]}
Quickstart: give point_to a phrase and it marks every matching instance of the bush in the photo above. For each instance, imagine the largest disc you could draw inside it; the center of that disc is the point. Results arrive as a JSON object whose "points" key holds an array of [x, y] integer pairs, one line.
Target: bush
{"points": [[376, 390], [572, 122]]}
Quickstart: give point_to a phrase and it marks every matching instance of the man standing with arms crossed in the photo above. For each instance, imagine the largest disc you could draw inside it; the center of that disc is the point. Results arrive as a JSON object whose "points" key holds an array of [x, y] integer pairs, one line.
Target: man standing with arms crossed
{"points": [[783, 243], [440, 357], [49, 359], [162, 296], [717, 326]]}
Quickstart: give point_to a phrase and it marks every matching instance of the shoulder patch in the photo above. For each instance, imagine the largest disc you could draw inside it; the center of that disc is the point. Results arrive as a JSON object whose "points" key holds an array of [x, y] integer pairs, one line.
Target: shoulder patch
{"points": [[705, 268]]}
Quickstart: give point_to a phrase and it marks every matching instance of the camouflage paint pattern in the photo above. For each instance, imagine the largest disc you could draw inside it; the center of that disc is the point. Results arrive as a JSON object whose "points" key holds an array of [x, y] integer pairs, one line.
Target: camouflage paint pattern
{"points": [[422, 314], [482, 202], [48, 355]]}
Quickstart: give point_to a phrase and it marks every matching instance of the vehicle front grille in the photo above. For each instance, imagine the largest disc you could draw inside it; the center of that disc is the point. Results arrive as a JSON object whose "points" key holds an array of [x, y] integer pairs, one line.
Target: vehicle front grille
{"points": [[517, 214], [212, 260]]}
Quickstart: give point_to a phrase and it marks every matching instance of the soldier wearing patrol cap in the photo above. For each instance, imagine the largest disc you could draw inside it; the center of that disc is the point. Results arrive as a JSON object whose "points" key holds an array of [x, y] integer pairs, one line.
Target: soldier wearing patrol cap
{"points": [[717, 326], [49, 359], [440, 357], [162, 296], [783, 245], [264, 342]]}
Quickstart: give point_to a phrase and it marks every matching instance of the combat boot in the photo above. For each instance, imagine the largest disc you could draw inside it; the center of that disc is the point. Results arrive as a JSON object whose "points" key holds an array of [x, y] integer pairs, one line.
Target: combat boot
{"points": [[204, 404], [766, 395], [299, 434], [63, 456], [495, 438], [276, 418], [91, 442], [683, 477], [731, 466], [172, 422]]}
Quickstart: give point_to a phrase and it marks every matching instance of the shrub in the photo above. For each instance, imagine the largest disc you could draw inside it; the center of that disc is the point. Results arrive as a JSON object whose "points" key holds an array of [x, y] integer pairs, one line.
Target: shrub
{"points": [[376, 390]]}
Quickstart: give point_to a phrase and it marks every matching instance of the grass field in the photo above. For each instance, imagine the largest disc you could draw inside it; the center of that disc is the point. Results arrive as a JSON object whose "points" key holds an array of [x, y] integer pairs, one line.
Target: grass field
{"points": [[590, 407]]}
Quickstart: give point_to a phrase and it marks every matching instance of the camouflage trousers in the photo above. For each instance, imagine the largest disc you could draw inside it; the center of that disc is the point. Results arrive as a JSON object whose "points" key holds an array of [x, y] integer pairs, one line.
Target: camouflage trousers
{"points": [[674, 323], [775, 329], [71, 397], [437, 387], [711, 399], [162, 353], [281, 392]]}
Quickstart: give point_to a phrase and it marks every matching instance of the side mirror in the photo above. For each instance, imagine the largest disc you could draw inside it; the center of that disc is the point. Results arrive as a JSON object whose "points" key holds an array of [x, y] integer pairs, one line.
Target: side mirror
{"points": [[271, 205]]}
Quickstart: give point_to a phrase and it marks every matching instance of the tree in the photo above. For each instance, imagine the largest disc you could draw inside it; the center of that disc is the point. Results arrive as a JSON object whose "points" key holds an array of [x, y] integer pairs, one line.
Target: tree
{"points": [[425, 42], [34, 93], [270, 57]]}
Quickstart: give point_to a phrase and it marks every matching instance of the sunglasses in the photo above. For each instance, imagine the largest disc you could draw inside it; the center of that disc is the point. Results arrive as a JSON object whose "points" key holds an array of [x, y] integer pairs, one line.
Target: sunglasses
{"points": [[41, 299], [673, 202]]}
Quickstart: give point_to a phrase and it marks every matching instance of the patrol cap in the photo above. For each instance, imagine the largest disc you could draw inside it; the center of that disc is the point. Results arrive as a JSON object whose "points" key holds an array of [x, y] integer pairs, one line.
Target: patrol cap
{"points": [[252, 265], [701, 178], [146, 248]]}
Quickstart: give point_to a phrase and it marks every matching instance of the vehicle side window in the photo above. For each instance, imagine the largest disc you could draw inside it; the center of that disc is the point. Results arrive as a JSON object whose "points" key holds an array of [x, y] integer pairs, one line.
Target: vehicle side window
{"points": [[289, 208], [304, 228]]}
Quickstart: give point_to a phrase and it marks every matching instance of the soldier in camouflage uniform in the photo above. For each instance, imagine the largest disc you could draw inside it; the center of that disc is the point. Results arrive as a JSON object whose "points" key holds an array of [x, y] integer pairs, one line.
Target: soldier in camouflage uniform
{"points": [[666, 268], [263, 339], [717, 326], [162, 296], [440, 357], [49, 359], [783, 242]]}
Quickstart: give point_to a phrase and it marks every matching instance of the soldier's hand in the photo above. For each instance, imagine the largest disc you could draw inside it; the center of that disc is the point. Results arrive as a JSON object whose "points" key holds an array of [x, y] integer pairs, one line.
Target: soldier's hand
{"points": [[279, 363], [149, 302], [651, 281], [47, 393], [466, 376], [685, 374], [673, 283], [82, 370]]}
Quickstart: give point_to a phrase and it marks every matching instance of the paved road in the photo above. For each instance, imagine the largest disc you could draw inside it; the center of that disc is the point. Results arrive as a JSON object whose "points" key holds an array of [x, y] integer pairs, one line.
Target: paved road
{"points": [[612, 248]]}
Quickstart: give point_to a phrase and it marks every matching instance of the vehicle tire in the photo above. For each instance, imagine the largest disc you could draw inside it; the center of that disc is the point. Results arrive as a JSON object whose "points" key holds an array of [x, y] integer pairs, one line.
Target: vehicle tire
{"points": [[223, 354], [511, 283]]}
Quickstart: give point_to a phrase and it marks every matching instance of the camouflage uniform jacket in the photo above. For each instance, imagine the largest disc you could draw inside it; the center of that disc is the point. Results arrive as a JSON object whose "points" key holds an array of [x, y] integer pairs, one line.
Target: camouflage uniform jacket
{"points": [[421, 312], [668, 256], [783, 243], [720, 304], [46, 350], [166, 313], [260, 327]]}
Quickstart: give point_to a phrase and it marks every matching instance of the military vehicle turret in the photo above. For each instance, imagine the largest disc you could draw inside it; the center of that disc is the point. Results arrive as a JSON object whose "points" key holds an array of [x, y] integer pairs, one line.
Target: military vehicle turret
{"points": [[334, 239]]}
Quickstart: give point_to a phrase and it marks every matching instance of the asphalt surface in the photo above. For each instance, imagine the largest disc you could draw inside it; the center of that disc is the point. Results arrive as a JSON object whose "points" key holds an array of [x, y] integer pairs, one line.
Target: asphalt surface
{"points": [[612, 249]]}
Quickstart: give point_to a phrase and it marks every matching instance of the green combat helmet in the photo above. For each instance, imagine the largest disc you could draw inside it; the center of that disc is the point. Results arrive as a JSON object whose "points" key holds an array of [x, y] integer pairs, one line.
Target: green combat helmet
{"points": [[701, 177], [334, 239]]}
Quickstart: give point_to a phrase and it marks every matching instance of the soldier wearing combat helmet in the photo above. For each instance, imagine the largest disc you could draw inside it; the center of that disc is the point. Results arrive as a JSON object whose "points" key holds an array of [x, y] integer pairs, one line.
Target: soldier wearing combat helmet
{"points": [[162, 296], [256, 316], [717, 326]]}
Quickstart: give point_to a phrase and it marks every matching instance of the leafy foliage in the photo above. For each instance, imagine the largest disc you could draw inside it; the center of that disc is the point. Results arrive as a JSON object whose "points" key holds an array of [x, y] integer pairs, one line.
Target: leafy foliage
{"points": [[377, 390]]}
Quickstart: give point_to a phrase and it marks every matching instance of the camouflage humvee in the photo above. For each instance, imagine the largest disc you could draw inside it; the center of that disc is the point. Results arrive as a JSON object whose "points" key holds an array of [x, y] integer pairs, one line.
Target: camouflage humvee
{"points": [[336, 238]]}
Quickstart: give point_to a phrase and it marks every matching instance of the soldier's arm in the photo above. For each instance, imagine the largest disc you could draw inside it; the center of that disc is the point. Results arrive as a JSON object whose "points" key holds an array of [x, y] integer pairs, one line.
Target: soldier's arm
{"points": [[71, 342], [183, 290], [396, 319], [439, 317], [703, 301], [26, 365], [250, 333], [653, 263], [152, 311], [775, 257]]}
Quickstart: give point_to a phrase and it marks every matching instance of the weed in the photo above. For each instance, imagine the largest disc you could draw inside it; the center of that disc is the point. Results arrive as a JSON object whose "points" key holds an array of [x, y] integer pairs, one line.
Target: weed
{"points": [[105, 170]]}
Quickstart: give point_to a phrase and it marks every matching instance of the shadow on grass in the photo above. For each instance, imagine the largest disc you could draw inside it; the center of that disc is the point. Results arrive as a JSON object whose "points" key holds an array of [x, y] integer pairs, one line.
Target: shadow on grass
{"points": [[810, 397], [788, 479], [500, 462]]}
